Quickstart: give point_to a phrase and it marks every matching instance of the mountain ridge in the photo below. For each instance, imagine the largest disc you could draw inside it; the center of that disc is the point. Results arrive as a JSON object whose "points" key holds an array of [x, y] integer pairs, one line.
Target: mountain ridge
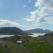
{"points": [[10, 30], [37, 30]]}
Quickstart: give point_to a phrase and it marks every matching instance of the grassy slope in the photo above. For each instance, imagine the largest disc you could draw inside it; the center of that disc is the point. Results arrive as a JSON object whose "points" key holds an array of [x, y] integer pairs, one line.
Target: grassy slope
{"points": [[7, 46], [30, 45], [38, 45]]}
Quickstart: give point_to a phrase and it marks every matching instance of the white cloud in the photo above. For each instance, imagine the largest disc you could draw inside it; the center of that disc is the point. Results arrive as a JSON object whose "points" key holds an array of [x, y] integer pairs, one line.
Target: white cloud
{"points": [[7, 23], [43, 14]]}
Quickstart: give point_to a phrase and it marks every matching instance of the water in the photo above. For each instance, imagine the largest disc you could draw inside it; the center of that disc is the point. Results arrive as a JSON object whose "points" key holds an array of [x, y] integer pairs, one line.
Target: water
{"points": [[37, 34], [34, 35], [3, 36]]}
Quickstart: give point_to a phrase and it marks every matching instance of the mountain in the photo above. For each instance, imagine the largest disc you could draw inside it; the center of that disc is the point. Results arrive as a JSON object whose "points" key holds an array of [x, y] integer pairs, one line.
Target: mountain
{"points": [[49, 34], [38, 30], [10, 30]]}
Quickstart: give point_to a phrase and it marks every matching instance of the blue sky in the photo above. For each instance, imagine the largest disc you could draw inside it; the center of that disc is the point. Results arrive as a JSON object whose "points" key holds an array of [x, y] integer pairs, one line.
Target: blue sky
{"points": [[28, 13], [15, 9]]}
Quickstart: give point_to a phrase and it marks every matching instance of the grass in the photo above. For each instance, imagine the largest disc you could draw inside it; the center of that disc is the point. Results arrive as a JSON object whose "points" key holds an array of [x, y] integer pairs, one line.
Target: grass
{"points": [[29, 45], [37, 46]]}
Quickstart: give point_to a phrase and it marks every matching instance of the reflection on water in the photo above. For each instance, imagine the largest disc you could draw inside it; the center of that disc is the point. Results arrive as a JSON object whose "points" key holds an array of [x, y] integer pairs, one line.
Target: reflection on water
{"points": [[37, 34], [34, 35], [2, 36]]}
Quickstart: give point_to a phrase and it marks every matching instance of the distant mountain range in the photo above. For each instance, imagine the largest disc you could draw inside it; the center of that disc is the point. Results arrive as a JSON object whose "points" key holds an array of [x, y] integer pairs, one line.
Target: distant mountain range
{"points": [[38, 30], [10, 30], [17, 31]]}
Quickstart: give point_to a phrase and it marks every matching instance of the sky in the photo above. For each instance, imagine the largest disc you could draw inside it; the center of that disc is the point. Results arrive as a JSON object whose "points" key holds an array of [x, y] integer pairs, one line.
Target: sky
{"points": [[26, 14]]}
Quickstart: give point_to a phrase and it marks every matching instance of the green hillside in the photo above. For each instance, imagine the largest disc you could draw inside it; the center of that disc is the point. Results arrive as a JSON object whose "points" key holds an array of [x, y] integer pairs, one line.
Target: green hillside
{"points": [[7, 46], [38, 45], [29, 45]]}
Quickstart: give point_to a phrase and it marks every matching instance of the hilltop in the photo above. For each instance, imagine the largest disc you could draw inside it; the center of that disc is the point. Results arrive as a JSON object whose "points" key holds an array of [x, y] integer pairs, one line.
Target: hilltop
{"points": [[11, 30]]}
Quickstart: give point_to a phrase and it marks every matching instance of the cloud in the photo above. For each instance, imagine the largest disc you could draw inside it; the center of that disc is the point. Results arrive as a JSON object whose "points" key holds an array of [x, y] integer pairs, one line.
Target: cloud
{"points": [[43, 14], [7, 23]]}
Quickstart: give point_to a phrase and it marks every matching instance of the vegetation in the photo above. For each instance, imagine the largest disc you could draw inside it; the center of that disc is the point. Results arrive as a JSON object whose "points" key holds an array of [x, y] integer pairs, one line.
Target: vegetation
{"points": [[29, 45], [38, 45]]}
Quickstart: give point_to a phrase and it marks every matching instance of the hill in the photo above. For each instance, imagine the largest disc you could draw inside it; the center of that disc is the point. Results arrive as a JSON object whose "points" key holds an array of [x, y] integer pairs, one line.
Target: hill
{"points": [[7, 46], [38, 30], [41, 44], [10, 30]]}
